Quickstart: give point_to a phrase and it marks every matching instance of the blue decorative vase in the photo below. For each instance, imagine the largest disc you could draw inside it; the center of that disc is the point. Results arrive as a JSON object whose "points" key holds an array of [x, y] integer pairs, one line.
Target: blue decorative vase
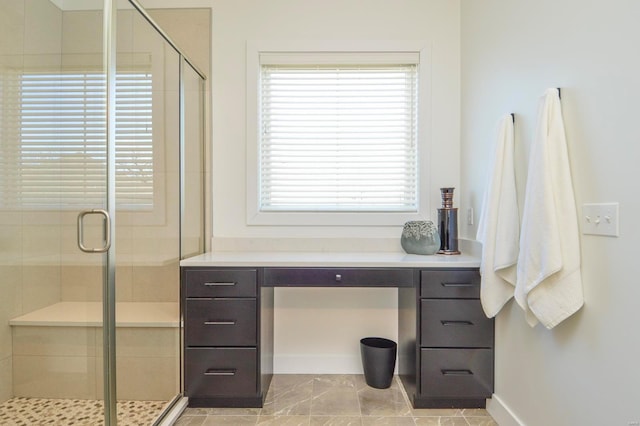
{"points": [[420, 237]]}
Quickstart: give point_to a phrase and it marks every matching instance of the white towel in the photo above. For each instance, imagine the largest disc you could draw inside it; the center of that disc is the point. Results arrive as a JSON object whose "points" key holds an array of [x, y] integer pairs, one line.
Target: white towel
{"points": [[549, 283], [499, 225]]}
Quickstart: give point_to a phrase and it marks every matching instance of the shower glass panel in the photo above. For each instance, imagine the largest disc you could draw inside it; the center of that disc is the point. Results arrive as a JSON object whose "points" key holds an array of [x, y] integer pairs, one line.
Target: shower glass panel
{"points": [[53, 166], [148, 228], [66, 158], [192, 163], [82, 142]]}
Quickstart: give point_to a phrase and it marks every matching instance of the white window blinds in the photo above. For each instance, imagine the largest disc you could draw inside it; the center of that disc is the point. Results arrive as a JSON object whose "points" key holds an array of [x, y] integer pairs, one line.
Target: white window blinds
{"points": [[57, 158], [338, 138]]}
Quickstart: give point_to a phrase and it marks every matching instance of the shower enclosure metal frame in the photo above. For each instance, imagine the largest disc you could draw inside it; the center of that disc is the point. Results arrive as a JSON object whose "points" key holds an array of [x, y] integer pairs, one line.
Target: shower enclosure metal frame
{"points": [[109, 294]]}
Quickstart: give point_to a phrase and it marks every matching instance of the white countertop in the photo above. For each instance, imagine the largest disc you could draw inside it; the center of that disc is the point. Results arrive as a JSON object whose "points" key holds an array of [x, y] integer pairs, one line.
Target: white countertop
{"points": [[322, 259]]}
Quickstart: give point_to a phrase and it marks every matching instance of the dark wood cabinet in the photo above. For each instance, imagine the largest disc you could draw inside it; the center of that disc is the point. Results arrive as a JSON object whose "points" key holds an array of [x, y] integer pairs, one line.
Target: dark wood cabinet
{"points": [[220, 282], [449, 360], [450, 284], [219, 322], [221, 373], [445, 342], [338, 277], [227, 332], [456, 377], [454, 323]]}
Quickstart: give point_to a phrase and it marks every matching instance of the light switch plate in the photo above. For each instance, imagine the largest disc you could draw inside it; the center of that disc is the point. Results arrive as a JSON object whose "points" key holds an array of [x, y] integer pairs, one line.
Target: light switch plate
{"points": [[600, 219]]}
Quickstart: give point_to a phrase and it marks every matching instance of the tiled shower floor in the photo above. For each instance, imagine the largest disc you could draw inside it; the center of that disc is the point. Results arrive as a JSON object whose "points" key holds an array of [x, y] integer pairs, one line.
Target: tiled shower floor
{"points": [[77, 412], [333, 400]]}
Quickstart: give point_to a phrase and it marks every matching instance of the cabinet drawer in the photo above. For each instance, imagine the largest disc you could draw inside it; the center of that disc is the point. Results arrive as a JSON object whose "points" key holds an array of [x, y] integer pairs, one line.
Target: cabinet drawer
{"points": [[221, 282], [214, 372], [224, 322], [455, 323], [337, 277], [456, 373], [450, 284]]}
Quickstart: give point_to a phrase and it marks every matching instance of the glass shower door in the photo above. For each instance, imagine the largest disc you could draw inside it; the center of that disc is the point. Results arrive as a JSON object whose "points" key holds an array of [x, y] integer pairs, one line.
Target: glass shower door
{"points": [[54, 204], [148, 229]]}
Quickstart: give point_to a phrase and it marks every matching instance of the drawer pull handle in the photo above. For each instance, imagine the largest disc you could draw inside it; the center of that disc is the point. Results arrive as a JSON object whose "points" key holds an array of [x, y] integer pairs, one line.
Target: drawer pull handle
{"points": [[220, 373], [338, 277], [445, 322], [457, 372], [448, 284], [221, 284], [219, 323]]}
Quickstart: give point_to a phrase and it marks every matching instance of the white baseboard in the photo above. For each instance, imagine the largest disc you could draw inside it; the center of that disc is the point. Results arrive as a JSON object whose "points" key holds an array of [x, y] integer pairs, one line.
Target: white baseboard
{"points": [[318, 364], [501, 412]]}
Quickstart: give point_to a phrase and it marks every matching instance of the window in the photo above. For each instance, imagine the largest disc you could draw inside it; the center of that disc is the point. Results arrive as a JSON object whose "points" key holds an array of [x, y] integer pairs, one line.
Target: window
{"points": [[57, 158], [337, 137]]}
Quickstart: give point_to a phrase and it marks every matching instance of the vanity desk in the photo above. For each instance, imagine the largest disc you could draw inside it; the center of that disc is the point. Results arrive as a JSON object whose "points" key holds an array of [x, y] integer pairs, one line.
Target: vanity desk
{"points": [[445, 342]]}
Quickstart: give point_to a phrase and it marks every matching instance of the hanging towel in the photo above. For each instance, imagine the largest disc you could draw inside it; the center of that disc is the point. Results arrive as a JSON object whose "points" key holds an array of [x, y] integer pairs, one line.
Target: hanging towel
{"points": [[499, 225], [549, 283]]}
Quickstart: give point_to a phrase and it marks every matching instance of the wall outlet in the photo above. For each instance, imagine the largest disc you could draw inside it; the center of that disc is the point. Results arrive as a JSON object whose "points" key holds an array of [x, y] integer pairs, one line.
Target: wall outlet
{"points": [[600, 219], [470, 216]]}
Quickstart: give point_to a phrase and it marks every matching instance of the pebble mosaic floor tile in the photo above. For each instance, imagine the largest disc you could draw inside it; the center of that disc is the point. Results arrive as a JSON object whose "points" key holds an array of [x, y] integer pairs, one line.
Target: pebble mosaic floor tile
{"points": [[75, 412]]}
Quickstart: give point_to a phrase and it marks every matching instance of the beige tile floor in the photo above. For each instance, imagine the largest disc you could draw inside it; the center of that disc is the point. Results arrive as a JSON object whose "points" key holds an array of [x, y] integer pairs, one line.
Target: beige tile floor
{"points": [[333, 400]]}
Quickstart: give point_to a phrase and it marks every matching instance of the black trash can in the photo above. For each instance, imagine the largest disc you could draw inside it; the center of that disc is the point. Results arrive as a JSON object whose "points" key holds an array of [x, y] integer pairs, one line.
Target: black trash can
{"points": [[378, 361]]}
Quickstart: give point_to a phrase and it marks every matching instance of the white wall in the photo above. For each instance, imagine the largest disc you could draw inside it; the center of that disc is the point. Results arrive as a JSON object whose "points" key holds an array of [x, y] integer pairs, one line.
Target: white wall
{"points": [[334, 320], [318, 347], [30, 38], [585, 371], [234, 23]]}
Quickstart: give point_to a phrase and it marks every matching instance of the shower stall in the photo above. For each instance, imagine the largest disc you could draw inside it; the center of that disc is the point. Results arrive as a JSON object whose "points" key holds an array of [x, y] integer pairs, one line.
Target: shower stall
{"points": [[101, 195]]}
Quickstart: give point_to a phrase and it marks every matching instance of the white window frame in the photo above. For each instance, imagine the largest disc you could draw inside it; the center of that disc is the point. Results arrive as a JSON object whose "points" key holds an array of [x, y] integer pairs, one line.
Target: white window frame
{"points": [[318, 52]]}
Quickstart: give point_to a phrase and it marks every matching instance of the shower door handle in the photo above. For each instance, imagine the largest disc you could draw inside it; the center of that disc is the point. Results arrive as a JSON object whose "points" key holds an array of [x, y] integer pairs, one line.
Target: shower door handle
{"points": [[107, 231]]}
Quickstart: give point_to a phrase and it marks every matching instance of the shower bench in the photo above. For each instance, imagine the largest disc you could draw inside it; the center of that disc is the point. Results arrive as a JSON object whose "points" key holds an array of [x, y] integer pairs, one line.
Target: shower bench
{"points": [[57, 351]]}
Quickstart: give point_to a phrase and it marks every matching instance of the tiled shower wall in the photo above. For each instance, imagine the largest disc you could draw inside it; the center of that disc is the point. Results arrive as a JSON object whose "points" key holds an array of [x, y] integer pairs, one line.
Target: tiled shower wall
{"points": [[30, 36]]}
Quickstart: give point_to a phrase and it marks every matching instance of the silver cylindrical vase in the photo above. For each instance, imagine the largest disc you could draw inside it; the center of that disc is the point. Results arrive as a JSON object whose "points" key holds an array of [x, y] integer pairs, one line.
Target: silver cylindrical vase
{"points": [[448, 223]]}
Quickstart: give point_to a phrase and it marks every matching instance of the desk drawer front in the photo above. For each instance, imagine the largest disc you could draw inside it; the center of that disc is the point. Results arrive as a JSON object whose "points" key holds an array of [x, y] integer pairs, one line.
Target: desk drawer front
{"points": [[225, 322], [337, 277], [211, 372], [455, 323], [450, 284], [456, 373], [221, 283]]}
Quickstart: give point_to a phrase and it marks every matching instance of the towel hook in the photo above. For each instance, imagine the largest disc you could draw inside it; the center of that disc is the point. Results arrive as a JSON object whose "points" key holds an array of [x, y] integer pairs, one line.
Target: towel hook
{"points": [[513, 117], [559, 93]]}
